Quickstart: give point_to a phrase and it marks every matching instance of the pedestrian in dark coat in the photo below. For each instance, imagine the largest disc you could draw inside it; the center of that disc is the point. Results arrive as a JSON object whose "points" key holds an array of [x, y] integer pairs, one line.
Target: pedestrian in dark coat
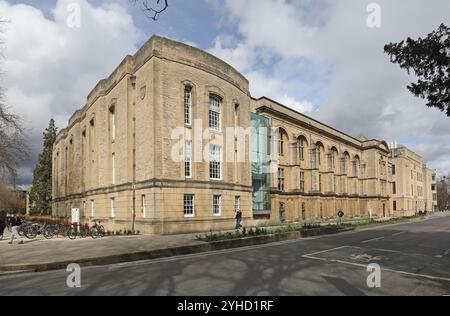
{"points": [[2, 224]]}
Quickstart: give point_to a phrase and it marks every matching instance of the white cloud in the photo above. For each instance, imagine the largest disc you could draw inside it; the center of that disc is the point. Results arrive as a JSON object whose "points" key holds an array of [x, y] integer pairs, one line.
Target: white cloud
{"points": [[299, 106], [364, 93], [50, 68]]}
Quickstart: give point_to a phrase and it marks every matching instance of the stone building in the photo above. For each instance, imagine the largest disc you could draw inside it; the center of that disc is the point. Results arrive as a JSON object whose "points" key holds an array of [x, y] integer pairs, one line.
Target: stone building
{"points": [[413, 185], [174, 142]]}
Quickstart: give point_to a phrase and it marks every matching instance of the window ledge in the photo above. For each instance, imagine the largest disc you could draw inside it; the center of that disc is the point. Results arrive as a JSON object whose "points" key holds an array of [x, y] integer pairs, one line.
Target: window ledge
{"points": [[215, 131]]}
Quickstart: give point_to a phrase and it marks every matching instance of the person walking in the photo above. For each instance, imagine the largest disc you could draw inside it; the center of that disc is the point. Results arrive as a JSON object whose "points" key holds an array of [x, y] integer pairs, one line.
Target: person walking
{"points": [[2, 224], [238, 217], [16, 222]]}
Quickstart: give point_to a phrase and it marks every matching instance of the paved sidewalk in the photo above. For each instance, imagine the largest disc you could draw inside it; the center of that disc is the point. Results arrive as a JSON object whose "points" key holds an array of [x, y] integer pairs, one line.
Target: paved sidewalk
{"points": [[42, 251]]}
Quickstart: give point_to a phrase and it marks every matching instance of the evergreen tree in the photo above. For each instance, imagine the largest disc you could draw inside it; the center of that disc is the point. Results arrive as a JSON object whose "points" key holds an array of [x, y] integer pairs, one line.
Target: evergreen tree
{"points": [[429, 59], [41, 191]]}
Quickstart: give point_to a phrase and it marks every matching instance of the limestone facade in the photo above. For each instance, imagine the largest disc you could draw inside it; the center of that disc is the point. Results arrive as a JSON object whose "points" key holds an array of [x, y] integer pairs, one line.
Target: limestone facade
{"points": [[413, 185], [158, 141]]}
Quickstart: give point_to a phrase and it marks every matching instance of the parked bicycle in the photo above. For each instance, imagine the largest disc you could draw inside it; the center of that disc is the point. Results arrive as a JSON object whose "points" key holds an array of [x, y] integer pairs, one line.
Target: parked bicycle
{"points": [[31, 231], [23, 227], [79, 230], [64, 228], [98, 231]]}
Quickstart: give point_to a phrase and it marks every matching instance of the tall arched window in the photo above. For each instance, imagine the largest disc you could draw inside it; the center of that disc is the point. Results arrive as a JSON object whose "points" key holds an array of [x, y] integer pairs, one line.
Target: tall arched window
{"points": [[187, 105], [282, 141], [319, 152], [112, 122], [301, 149], [344, 163], [356, 166], [333, 159]]}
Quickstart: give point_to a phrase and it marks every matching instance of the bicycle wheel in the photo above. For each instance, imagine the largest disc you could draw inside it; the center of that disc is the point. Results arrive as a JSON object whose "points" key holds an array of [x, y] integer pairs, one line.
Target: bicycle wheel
{"points": [[21, 231], [94, 233], [83, 232], [72, 233], [48, 232], [101, 231], [56, 229], [30, 232]]}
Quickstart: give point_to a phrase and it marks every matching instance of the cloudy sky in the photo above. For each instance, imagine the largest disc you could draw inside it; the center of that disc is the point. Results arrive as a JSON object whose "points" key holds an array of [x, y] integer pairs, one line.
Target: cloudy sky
{"points": [[316, 56]]}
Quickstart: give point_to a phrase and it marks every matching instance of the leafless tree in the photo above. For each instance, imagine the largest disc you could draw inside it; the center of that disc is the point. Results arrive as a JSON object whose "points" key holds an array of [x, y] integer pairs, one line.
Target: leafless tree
{"points": [[152, 10], [13, 145], [9, 200]]}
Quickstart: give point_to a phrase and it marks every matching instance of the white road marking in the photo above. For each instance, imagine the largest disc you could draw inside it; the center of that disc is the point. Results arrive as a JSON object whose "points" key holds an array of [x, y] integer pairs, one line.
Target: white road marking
{"points": [[371, 240], [330, 250], [398, 234], [364, 266], [386, 250]]}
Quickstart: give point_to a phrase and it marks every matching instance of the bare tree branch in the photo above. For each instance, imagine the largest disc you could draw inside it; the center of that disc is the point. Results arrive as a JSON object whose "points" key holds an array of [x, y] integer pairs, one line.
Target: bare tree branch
{"points": [[13, 145], [151, 11]]}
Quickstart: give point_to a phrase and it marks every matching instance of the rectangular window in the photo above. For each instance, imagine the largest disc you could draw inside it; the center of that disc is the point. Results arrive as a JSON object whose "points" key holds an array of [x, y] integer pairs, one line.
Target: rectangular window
{"points": [[188, 159], [144, 206], [320, 183], [187, 105], [281, 179], [214, 113], [302, 182], [113, 207], [237, 203], [394, 188], [217, 205], [189, 205], [92, 208], [84, 208], [215, 164], [395, 205]]}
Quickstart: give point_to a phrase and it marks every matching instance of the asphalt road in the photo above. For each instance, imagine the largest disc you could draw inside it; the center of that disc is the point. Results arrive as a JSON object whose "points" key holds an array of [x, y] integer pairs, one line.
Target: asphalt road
{"points": [[414, 260]]}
